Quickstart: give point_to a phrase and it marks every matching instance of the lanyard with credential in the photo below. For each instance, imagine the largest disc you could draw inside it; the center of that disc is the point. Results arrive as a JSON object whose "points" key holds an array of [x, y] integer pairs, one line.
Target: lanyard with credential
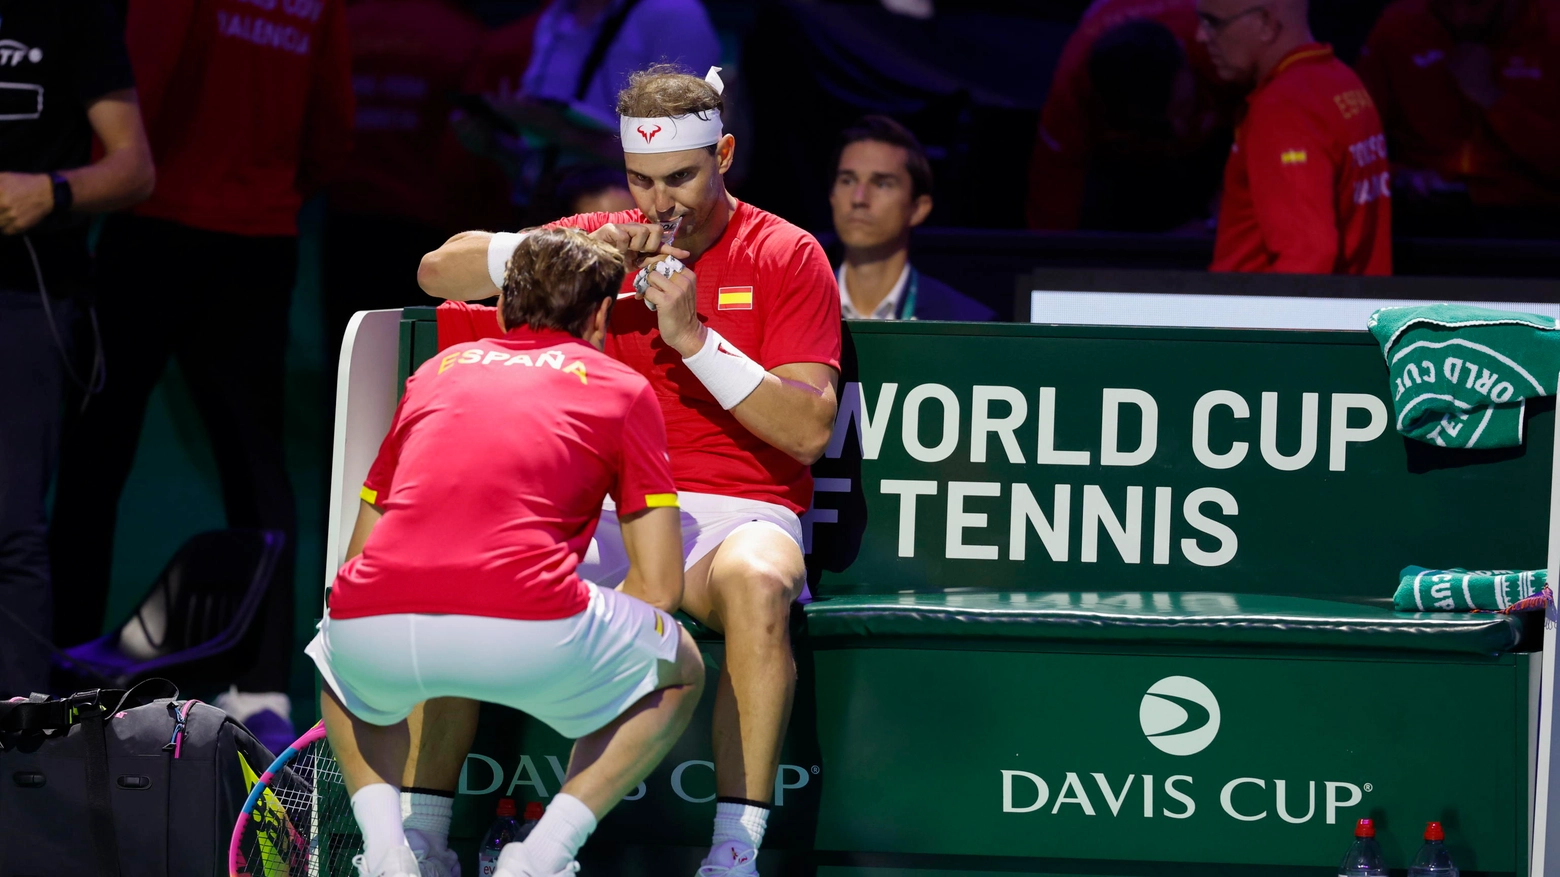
{"points": [[906, 309]]}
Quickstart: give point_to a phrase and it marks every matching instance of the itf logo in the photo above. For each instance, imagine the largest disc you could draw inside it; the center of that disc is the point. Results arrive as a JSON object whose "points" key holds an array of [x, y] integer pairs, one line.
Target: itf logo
{"points": [[1179, 715]]}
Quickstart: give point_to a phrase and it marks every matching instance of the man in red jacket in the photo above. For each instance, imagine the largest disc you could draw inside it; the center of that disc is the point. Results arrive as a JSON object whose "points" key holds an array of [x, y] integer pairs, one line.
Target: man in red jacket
{"points": [[1306, 187], [1469, 105], [249, 110]]}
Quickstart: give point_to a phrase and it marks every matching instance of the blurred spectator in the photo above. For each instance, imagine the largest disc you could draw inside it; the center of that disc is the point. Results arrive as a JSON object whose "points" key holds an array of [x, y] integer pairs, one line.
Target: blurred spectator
{"points": [[1471, 113], [1136, 125], [249, 110], [882, 189], [1306, 188], [495, 74], [48, 182], [586, 49], [395, 200], [587, 189]]}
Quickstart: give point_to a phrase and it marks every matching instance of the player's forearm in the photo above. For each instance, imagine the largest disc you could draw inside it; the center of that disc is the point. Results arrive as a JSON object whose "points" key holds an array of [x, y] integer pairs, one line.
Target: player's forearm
{"points": [[792, 415], [125, 175], [665, 595], [653, 540], [116, 181], [458, 270], [368, 516]]}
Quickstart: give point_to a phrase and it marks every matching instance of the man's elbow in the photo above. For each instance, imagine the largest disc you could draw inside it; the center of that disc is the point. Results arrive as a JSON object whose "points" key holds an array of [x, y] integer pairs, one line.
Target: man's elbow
{"points": [[145, 181], [809, 448], [669, 598], [429, 273]]}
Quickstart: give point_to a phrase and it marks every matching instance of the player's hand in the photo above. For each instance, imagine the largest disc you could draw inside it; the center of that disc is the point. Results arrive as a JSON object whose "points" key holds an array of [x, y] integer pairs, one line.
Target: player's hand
{"points": [[676, 301], [637, 241], [1473, 66], [25, 199]]}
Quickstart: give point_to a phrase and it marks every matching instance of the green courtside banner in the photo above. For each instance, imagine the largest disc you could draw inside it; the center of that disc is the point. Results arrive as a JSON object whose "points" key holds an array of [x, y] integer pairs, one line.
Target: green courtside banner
{"points": [[1038, 458]]}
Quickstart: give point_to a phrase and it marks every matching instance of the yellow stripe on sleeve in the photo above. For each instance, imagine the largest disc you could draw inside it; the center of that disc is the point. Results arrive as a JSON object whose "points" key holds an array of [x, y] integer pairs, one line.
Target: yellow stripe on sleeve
{"points": [[661, 500], [369, 496]]}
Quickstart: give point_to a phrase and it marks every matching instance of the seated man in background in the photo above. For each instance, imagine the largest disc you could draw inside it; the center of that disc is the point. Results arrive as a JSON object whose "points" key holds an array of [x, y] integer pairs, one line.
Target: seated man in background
{"points": [[459, 585], [1471, 115], [1306, 187], [882, 189], [582, 189], [1135, 126]]}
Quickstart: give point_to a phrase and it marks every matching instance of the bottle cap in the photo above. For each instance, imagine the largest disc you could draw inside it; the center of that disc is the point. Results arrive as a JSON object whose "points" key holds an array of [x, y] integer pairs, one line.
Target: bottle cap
{"points": [[1366, 828], [1433, 832], [506, 806], [533, 810]]}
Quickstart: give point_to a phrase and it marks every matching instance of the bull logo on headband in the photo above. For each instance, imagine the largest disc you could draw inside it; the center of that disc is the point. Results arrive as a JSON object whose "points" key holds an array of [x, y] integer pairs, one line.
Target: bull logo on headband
{"points": [[648, 135]]}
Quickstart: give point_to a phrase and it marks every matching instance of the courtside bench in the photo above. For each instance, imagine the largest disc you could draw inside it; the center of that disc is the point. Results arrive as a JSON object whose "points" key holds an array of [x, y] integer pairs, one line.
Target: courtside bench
{"points": [[1102, 601]]}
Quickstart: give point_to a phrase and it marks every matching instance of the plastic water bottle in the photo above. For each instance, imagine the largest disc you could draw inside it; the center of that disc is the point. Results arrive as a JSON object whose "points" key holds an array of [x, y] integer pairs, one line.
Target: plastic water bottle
{"points": [[533, 815], [505, 830], [1433, 860], [1364, 856]]}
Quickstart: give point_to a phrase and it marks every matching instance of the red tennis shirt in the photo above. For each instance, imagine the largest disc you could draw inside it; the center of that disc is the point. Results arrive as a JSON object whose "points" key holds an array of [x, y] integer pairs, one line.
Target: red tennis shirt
{"points": [[766, 287], [492, 477], [1307, 186]]}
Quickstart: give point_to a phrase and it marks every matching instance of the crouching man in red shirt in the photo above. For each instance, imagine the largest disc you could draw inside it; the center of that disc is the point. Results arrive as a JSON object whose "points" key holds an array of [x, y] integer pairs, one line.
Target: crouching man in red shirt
{"points": [[739, 334], [461, 577]]}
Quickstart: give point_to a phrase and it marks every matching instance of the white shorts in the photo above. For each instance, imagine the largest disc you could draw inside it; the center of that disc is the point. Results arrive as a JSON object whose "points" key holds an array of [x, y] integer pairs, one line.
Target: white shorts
{"points": [[576, 674], [707, 520]]}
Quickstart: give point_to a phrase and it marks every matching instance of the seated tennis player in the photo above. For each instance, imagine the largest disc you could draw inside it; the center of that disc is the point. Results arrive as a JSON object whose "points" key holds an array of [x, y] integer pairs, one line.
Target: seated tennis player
{"points": [[460, 579]]}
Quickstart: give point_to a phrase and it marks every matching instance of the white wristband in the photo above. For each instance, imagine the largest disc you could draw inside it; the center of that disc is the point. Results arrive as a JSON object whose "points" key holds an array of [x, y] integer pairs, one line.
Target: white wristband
{"points": [[724, 370], [500, 249]]}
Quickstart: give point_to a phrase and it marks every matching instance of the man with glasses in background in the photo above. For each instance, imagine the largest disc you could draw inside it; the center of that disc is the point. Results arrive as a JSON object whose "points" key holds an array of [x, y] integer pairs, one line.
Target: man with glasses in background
{"points": [[1307, 186]]}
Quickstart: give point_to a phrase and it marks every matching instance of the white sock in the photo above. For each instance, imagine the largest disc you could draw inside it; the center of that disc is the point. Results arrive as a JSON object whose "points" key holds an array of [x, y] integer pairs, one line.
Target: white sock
{"points": [[740, 823], [378, 811], [429, 814], [557, 838]]}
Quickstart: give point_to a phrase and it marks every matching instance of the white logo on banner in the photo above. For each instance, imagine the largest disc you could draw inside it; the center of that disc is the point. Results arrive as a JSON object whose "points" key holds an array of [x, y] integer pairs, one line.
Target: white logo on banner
{"points": [[1179, 715]]}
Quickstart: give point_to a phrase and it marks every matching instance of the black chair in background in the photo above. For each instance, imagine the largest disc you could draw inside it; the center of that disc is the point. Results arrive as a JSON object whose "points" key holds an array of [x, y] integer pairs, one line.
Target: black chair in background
{"points": [[193, 624]]}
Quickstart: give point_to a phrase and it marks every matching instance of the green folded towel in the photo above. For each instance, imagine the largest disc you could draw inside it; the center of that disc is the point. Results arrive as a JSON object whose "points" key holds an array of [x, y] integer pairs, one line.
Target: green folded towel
{"points": [[1462, 374], [1462, 590]]}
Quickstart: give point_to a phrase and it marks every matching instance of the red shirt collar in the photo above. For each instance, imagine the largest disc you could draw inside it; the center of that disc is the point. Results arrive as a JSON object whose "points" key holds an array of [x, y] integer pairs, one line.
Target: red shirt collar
{"points": [[1300, 55], [539, 337]]}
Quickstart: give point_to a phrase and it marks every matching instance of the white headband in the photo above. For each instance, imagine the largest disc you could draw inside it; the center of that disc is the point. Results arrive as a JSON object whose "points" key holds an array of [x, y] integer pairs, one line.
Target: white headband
{"points": [[673, 133]]}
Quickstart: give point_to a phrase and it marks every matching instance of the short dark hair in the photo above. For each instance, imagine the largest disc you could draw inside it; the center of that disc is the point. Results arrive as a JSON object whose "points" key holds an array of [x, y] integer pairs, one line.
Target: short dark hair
{"points": [[579, 182], [1132, 69], [882, 129], [557, 278], [669, 90]]}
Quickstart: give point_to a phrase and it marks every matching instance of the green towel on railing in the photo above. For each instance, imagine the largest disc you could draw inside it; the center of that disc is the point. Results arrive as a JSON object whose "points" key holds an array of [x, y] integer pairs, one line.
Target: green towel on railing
{"points": [[1462, 590], [1462, 374]]}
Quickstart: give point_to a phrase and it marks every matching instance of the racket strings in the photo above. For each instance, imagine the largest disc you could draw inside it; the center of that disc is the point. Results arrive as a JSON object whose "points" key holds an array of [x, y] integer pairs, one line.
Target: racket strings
{"points": [[304, 825]]}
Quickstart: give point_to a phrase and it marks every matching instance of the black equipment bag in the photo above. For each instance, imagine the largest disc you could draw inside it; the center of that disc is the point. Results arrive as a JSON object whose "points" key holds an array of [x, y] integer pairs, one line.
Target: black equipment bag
{"points": [[103, 783]]}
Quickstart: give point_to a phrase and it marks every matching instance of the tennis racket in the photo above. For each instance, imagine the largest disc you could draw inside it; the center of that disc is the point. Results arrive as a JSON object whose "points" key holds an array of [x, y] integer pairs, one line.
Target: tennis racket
{"points": [[297, 821]]}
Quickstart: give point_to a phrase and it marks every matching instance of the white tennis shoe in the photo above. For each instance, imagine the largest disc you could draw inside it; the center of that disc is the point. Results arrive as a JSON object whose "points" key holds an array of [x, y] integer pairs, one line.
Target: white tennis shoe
{"points": [[730, 860], [443, 863], [514, 860], [399, 862]]}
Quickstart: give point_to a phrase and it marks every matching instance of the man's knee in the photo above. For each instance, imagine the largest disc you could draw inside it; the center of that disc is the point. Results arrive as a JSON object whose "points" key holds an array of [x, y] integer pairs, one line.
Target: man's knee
{"points": [[755, 591]]}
